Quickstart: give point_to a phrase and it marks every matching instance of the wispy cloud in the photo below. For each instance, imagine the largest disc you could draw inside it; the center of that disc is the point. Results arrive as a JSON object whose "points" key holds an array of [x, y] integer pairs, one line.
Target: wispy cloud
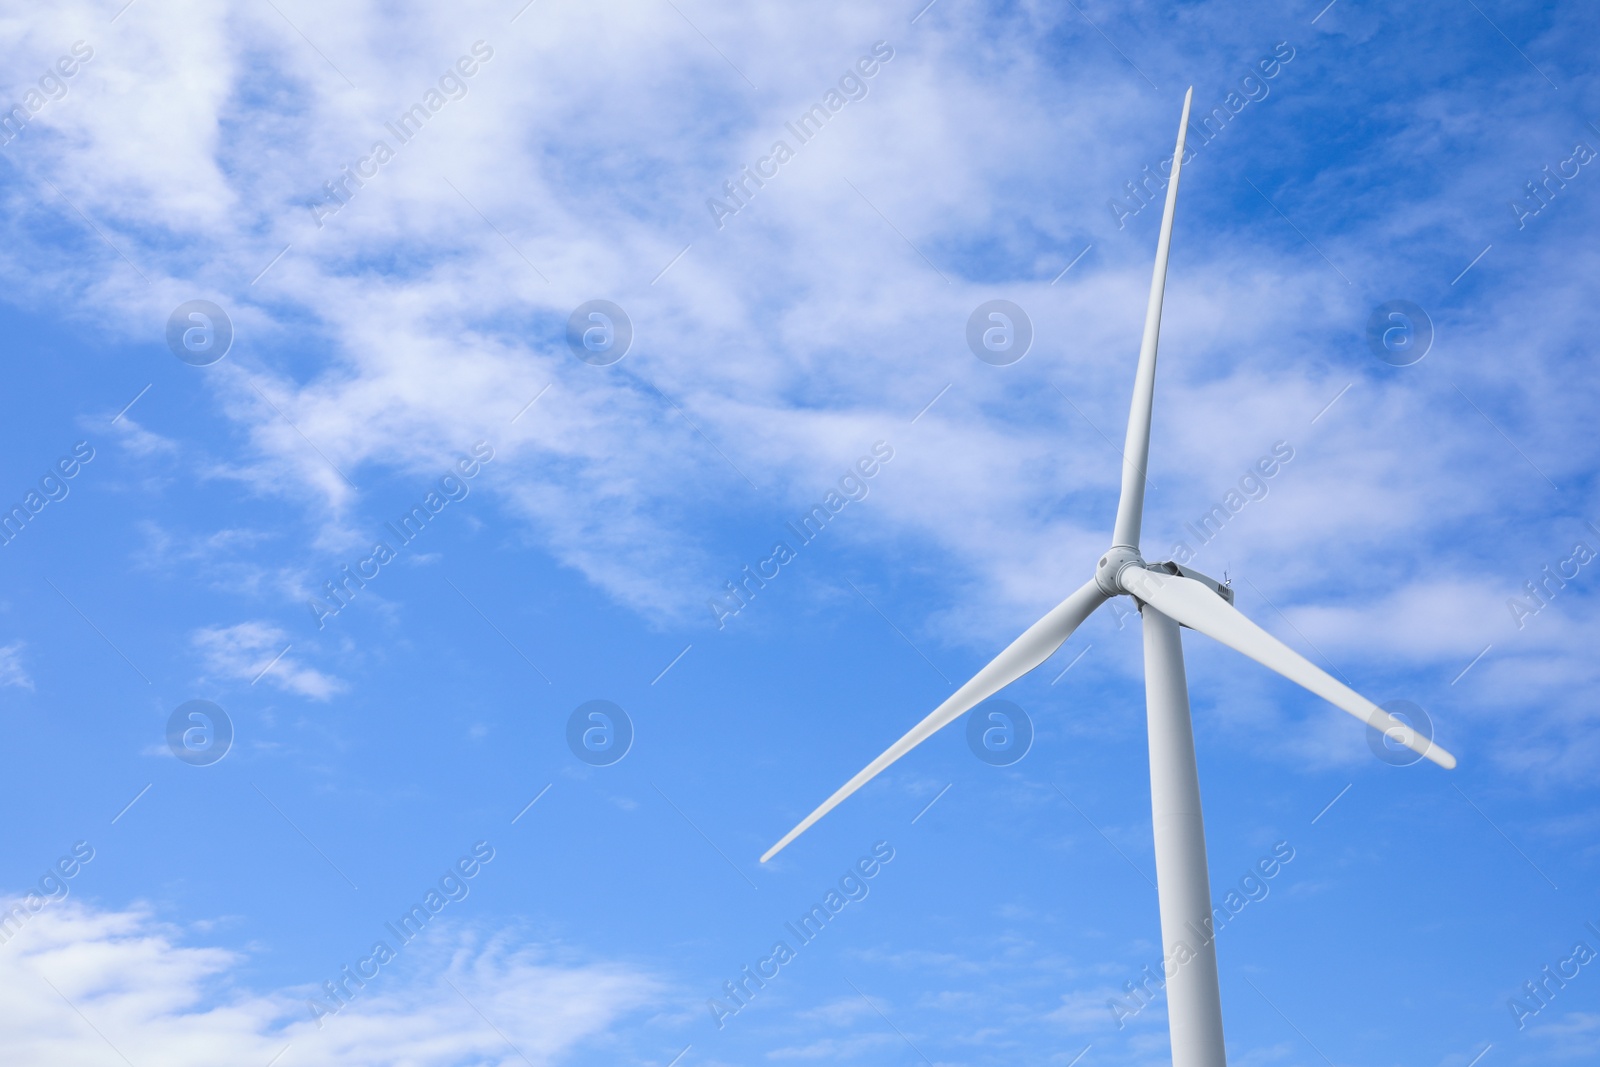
{"points": [[259, 651], [12, 671], [413, 319], [89, 984]]}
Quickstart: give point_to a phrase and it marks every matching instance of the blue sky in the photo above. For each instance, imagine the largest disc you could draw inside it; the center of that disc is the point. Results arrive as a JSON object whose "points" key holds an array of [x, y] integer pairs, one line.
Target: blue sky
{"points": [[376, 346]]}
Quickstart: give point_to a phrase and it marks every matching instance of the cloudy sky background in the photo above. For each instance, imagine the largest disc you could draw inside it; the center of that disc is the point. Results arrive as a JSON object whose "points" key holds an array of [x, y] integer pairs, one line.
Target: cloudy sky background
{"points": [[374, 346]]}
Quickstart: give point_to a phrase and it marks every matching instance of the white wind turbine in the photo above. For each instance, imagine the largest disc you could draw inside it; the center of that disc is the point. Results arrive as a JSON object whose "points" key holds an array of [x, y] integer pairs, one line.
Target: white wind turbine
{"points": [[1169, 596]]}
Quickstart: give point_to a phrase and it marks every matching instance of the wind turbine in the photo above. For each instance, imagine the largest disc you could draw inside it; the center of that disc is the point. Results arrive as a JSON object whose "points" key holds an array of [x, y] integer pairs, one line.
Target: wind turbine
{"points": [[1169, 595]]}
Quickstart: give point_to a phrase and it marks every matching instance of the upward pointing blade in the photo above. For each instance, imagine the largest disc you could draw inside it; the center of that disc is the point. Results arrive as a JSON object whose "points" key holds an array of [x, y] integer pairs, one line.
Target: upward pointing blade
{"points": [[1198, 608], [1037, 643], [1136, 451]]}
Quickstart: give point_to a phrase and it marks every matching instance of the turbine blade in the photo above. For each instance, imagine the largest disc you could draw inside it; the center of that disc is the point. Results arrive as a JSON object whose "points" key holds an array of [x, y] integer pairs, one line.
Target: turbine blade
{"points": [[1197, 607], [1036, 645], [1136, 451]]}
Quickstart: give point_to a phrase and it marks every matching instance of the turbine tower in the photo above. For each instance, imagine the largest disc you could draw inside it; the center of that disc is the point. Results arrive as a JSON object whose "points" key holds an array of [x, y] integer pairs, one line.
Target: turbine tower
{"points": [[1169, 595]]}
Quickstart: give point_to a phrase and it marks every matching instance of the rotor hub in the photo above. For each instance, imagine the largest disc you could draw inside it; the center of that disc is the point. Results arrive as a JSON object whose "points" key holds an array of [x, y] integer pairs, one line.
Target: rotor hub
{"points": [[1108, 572]]}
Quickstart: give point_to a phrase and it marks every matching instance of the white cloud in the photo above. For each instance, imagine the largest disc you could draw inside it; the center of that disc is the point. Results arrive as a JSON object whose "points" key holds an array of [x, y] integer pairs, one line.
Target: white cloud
{"points": [[1088, 1011], [837, 1013], [407, 325], [142, 442], [12, 671], [836, 1049], [80, 979], [249, 651], [1570, 1036]]}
